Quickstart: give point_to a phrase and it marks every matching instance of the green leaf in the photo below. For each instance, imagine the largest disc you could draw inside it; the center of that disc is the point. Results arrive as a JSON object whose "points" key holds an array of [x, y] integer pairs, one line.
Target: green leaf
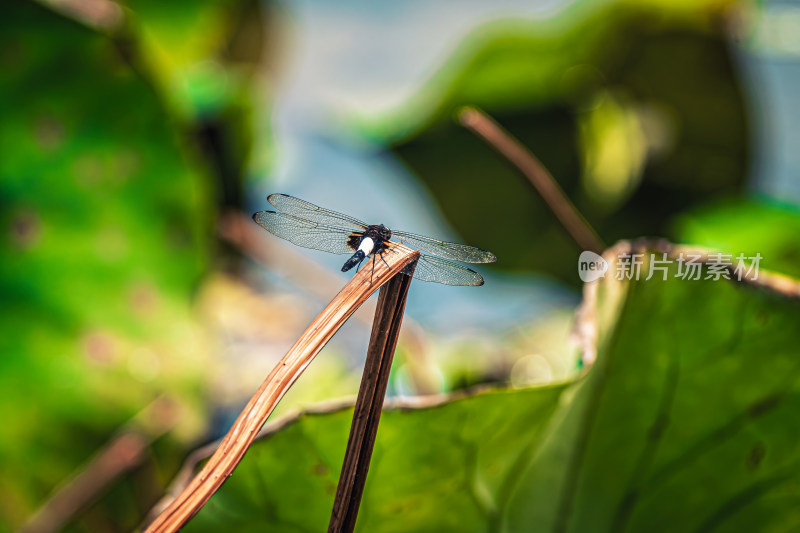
{"points": [[749, 227], [202, 54], [687, 421], [466, 453], [204, 58], [636, 108], [105, 226]]}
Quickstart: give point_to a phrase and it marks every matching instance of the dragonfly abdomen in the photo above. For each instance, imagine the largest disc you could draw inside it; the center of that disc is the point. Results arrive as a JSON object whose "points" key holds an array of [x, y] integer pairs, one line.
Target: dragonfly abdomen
{"points": [[354, 260]]}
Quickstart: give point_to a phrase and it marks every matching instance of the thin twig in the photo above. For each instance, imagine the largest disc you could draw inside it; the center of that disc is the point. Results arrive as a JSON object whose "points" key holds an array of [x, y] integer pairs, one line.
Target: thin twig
{"points": [[124, 452], [369, 405], [233, 447], [533, 169]]}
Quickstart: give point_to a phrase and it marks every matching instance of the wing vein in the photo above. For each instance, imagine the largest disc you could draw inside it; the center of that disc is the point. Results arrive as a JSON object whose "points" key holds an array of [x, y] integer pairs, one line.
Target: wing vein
{"points": [[446, 250], [308, 211], [306, 233]]}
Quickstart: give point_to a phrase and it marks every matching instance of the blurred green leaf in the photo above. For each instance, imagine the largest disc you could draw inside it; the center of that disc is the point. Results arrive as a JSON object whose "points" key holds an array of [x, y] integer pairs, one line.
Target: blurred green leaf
{"points": [[105, 226], [686, 422], [434, 469], [750, 227], [201, 53], [635, 107], [203, 57]]}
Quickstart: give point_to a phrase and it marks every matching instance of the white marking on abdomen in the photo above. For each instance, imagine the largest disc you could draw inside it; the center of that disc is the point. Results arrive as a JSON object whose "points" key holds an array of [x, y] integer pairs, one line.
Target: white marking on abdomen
{"points": [[366, 246]]}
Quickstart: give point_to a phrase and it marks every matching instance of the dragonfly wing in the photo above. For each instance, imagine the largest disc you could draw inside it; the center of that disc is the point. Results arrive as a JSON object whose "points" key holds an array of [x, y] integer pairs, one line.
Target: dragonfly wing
{"points": [[438, 270], [300, 208], [305, 233], [444, 249]]}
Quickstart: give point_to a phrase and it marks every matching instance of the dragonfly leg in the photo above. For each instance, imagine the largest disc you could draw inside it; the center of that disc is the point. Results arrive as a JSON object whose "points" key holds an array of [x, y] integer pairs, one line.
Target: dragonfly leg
{"points": [[384, 260]]}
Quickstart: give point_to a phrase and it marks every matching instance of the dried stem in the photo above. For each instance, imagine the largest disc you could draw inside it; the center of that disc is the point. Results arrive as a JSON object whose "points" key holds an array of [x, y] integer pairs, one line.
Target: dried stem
{"points": [[125, 451], [555, 198], [233, 447], [238, 229], [369, 405]]}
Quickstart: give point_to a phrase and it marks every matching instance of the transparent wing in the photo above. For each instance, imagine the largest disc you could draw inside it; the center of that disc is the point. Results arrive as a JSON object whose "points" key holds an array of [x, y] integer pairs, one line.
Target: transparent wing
{"points": [[305, 233], [444, 249], [440, 270], [300, 208]]}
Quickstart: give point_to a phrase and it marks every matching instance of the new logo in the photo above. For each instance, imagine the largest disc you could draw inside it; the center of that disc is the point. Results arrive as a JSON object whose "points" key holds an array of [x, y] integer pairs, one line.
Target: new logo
{"points": [[591, 266]]}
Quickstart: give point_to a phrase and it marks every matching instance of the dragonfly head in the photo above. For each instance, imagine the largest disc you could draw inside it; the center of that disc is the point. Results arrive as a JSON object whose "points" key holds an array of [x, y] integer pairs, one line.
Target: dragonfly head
{"points": [[378, 233]]}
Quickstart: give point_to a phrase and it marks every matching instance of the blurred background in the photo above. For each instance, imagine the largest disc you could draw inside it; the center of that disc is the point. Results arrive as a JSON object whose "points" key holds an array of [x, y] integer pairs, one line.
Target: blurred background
{"points": [[141, 307]]}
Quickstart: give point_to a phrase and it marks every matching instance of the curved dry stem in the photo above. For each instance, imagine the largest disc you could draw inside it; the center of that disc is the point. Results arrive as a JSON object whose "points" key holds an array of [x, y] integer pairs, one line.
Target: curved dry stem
{"points": [[124, 452], [239, 438], [238, 229], [275, 425]]}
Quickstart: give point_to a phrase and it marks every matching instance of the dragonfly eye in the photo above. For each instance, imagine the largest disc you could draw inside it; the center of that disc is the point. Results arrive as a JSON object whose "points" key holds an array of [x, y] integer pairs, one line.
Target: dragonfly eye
{"points": [[384, 233]]}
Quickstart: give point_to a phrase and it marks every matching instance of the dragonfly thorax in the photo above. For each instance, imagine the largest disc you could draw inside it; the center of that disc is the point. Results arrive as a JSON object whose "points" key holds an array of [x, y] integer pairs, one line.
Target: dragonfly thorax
{"points": [[371, 240], [366, 246]]}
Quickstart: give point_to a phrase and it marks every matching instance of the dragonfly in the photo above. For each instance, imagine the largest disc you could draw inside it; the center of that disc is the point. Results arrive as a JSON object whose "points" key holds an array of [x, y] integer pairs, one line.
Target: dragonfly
{"points": [[310, 226]]}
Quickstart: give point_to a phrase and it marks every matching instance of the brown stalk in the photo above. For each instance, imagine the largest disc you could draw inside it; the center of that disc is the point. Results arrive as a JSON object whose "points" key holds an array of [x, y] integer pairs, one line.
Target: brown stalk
{"points": [[124, 452], [533, 169], [369, 404], [238, 229], [233, 447], [273, 426]]}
